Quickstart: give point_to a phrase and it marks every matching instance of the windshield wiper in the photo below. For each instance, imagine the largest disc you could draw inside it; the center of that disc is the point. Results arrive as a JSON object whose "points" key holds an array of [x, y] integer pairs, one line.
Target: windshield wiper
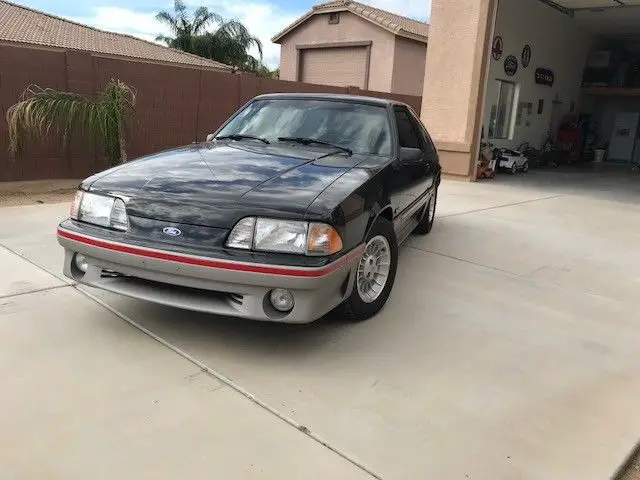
{"points": [[307, 141], [238, 136]]}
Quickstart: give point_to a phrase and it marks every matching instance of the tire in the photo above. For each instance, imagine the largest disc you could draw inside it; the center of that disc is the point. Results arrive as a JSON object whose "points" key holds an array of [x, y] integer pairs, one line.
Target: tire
{"points": [[525, 167], [358, 307], [514, 168], [428, 217]]}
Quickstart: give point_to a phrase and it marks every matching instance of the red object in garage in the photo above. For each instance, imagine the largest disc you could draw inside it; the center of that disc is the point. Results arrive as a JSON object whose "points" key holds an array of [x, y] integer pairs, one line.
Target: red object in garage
{"points": [[569, 141]]}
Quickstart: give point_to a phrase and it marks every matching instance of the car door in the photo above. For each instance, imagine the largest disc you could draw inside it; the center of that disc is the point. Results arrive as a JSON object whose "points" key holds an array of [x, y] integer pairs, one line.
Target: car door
{"points": [[410, 171], [431, 153]]}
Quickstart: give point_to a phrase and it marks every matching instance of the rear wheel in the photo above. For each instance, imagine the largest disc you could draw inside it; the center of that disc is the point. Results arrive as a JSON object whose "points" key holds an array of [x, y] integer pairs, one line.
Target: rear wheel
{"points": [[375, 273], [525, 167]]}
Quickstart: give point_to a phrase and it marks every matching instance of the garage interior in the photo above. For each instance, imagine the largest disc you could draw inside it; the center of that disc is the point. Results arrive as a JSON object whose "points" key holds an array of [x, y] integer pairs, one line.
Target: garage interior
{"points": [[563, 88]]}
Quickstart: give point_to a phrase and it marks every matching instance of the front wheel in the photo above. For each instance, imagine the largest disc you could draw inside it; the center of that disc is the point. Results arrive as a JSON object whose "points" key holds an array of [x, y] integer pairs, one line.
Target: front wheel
{"points": [[375, 273], [514, 168], [525, 167]]}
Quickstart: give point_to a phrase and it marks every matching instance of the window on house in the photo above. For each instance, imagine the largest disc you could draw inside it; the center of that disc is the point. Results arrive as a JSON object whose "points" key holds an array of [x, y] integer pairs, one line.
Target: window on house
{"points": [[501, 122], [334, 18]]}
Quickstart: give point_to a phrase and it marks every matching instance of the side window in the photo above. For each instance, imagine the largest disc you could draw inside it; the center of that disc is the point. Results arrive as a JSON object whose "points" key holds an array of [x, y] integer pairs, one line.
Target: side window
{"points": [[407, 133], [429, 145]]}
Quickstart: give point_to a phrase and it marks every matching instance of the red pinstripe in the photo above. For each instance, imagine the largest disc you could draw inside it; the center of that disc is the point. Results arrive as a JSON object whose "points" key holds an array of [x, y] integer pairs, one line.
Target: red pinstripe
{"points": [[211, 263]]}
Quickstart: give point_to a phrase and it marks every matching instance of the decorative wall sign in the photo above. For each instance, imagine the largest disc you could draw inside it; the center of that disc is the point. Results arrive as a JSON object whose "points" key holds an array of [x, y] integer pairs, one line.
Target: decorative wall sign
{"points": [[510, 65], [526, 56], [497, 48], [544, 76]]}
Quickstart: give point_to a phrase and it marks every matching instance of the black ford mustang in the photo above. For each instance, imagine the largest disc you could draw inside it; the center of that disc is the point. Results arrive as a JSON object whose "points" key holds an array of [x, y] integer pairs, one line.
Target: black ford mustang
{"points": [[294, 207]]}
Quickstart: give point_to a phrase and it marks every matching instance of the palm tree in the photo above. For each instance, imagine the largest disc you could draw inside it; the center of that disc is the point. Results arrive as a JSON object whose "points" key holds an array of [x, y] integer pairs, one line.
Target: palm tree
{"points": [[104, 119], [183, 27], [229, 43]]}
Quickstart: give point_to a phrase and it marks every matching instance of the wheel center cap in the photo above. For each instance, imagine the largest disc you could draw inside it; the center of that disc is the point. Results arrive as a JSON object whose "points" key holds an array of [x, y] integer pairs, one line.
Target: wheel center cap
{"points": [[369, 267]]}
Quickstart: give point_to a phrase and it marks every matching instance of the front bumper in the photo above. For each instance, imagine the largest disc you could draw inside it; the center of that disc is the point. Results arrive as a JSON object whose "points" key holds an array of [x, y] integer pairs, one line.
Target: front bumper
{"points": [[206, 284]]}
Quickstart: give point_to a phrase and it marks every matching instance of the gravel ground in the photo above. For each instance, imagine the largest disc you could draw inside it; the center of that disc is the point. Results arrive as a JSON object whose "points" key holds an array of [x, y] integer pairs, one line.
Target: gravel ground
{"points": [[13, 194]]}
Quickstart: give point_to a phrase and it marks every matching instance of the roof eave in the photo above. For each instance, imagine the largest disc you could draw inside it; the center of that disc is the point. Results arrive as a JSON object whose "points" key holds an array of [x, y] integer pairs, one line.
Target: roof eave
{"points": [[413, 36], [277, 38], [395, 30]]}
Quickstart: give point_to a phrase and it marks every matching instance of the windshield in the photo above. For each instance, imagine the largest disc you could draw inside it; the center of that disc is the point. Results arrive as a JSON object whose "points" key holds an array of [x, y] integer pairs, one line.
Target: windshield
{"points": [[358, 127]]}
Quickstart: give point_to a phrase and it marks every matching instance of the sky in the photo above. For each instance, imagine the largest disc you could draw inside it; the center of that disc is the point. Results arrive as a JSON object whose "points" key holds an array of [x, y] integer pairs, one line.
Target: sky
{"points": [[263, 18]]}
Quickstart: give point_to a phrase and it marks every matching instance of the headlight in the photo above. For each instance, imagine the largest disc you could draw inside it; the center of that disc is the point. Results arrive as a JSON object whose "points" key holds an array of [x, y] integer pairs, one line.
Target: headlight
{"points": [[280, 236], [242, 234], [285, 236], [100, 210]]}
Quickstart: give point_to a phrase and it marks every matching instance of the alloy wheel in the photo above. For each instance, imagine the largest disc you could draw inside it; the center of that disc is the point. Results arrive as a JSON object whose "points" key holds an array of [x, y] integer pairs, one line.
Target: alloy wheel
{"points": [[373, 269]]}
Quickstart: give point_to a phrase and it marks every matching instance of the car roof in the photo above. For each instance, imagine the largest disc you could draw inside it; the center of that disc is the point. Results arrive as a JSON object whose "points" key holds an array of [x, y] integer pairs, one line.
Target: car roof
{"points": [[331, 96]]}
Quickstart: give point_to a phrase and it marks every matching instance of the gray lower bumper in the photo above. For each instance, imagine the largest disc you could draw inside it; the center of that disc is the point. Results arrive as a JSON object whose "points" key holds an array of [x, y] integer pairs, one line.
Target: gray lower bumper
{"points": [[225, 291]]}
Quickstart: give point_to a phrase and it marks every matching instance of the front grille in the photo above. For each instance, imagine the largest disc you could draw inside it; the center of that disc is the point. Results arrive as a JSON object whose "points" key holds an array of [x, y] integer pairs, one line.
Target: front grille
{"points": [[232, 297], [174, 295], [236, 298], [111, 274]]}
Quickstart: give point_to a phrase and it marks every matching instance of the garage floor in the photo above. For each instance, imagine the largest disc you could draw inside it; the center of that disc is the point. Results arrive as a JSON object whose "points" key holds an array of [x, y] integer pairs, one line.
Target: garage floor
{"points": [[596, 180], [510, 349]]}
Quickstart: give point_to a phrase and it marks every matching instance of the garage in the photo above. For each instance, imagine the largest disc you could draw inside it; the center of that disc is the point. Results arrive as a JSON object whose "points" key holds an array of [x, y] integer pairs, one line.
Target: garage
{"points": [[563, 88], [343, 66]]}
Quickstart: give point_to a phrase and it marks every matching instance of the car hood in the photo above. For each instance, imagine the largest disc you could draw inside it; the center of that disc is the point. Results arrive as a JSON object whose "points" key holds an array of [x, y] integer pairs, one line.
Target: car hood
{"points": [[216, 185]]}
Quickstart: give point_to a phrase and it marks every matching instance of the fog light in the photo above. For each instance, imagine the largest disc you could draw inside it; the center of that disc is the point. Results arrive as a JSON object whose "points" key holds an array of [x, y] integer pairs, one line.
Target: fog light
{"points": [[281, 299], [81, 262]]}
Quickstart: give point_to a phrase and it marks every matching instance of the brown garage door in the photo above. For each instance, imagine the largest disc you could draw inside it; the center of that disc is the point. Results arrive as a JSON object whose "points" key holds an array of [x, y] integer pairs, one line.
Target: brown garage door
{"points": [[340, 66]]}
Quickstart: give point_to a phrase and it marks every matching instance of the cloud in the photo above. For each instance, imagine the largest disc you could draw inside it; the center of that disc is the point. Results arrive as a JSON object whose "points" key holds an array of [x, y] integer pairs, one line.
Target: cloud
{"points": [[124, 20], [416, 9], [261, 19]]}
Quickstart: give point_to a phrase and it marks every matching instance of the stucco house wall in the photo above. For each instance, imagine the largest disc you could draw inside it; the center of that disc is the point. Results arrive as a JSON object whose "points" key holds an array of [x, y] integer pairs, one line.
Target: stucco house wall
{"points": [[351, 29], [408, 66]]}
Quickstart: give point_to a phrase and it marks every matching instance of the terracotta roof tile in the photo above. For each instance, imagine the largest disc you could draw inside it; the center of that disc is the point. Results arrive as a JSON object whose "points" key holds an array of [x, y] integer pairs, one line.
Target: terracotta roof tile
{"points": [[24, 25], [397, 24]]}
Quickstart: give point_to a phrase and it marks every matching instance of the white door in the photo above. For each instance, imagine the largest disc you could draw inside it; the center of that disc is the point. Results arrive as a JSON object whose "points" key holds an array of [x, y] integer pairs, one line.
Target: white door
{"points": [[623, 137]]}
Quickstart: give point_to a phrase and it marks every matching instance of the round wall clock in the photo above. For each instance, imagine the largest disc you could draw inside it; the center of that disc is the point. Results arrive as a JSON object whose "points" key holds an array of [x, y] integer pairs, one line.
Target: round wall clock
{"points": [[510, 65]]}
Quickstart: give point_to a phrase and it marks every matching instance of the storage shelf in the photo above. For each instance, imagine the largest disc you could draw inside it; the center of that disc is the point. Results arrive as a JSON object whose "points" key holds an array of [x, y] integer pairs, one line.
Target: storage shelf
{"points": [[611, 91]]}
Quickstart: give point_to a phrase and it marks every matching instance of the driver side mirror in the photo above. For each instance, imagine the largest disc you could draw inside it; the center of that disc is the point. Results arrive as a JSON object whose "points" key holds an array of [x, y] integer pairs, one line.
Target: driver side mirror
{"points": [[410, 155]]}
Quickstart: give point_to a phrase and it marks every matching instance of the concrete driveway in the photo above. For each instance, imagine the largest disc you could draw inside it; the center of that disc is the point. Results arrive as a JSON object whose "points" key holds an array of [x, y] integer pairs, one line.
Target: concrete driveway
{"points": [[510, 349]]}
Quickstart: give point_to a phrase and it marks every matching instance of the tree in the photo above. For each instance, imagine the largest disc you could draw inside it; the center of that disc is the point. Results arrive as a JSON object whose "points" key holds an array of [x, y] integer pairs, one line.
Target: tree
{"points": [[229, 43], [264, 72], [104, 119], [184, 27]]}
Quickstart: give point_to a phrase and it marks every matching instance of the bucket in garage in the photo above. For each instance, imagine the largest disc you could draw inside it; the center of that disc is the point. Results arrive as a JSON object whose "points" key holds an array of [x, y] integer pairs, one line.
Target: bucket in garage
{"points": [[599, 155]]}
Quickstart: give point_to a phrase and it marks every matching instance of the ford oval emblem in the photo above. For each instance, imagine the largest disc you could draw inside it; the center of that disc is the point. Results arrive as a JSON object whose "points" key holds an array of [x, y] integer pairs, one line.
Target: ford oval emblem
{"points": [[172, 231]]}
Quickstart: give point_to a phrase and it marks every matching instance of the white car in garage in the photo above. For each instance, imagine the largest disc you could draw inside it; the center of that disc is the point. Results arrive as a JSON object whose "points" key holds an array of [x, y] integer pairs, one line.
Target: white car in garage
{"points": [[512, 161]]}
